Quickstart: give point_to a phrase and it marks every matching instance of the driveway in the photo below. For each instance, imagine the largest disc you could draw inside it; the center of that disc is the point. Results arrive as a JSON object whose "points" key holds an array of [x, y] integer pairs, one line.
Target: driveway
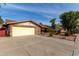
{"points": [[35, 46]]}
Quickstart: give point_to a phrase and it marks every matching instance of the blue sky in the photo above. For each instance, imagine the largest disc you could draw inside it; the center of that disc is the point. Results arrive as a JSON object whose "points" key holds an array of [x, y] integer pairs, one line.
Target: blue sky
{"points": [[38, 12]]}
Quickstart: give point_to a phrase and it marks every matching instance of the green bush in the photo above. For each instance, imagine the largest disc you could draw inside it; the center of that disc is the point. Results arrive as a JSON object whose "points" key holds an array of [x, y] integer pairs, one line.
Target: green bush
{"points": [[51, 31]]}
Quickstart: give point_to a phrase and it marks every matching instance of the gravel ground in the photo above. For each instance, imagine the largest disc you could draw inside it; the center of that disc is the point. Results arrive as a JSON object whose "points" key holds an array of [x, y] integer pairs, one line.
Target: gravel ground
{"points": [[35, 46]]}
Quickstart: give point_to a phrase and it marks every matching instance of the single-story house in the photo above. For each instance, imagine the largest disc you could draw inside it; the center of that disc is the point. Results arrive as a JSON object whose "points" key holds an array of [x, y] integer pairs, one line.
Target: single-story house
{"points": [[23, 28]]}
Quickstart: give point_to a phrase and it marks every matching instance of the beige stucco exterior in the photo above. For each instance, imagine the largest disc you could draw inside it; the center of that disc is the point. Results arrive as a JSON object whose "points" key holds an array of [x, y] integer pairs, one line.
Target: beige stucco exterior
{"points": [[27, 23], [37, 28], [24, 28]]}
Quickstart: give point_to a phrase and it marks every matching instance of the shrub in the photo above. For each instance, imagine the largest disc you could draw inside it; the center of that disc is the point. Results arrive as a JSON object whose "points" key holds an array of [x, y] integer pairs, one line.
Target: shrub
{"points": [[51, 31]]}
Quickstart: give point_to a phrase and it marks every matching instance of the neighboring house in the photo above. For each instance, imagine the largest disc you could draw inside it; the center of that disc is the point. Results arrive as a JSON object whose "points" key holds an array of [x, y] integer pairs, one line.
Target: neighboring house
{"points": [[62, 31], [23, 28], [44, 28], [2, 31]]}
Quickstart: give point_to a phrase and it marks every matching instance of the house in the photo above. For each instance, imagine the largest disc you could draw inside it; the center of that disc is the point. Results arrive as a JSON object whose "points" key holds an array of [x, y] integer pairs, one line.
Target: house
{"points": [[23, 28], [44, 29], [62, 31]]}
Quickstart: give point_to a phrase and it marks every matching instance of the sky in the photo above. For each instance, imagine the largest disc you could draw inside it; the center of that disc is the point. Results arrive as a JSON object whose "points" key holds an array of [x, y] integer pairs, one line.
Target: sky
{"points": [[39, 12]]}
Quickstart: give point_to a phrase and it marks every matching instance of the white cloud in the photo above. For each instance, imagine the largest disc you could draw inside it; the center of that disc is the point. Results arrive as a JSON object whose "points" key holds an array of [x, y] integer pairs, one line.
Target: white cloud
{"points": [[48, 13], [45, 12], [32, 9]]}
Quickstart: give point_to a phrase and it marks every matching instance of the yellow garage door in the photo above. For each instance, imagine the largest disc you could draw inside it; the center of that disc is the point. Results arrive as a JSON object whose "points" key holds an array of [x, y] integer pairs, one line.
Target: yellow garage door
{"points": [[22, 31]]}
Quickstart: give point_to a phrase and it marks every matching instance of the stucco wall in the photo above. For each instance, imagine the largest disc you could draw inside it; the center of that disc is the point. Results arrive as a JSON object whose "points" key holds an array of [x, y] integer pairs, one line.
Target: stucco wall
{"points": [[37, 28], [27, 23]]}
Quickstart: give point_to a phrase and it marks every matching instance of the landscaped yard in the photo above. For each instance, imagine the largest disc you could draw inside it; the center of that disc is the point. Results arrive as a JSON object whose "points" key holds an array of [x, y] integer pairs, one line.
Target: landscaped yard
{"points": [[35, 45]]}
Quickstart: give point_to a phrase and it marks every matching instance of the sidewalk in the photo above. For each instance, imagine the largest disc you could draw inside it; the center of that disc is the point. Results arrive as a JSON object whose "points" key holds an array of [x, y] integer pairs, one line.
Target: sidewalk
{"points": [[76, 46]]}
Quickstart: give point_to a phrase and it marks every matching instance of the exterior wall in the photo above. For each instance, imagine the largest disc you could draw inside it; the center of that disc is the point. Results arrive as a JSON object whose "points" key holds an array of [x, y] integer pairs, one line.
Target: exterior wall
{"points": [[26, 23], [10, 30], [3, 32], [29, 24], [37, 28]]}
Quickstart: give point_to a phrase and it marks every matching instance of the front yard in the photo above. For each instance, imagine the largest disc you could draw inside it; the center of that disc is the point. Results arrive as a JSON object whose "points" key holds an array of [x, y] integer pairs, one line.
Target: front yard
{"points": [[35, 45]]}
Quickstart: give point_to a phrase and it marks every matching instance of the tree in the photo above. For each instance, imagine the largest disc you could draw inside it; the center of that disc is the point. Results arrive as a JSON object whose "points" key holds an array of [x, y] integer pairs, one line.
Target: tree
{"points": [[1, 20], [70, 21], [52, 21]]}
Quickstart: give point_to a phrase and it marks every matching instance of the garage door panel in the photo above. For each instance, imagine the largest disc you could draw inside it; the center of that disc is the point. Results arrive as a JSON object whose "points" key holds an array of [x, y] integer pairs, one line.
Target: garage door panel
{"points": [[21, 31]]}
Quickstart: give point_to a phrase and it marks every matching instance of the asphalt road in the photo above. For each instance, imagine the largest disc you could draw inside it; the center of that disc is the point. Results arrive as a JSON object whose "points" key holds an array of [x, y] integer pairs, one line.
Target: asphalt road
{"points": [[35, 46]]}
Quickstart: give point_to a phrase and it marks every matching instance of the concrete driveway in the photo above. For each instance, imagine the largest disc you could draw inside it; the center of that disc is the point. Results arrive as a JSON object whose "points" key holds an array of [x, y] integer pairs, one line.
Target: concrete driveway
{"points": [[35, 46]]}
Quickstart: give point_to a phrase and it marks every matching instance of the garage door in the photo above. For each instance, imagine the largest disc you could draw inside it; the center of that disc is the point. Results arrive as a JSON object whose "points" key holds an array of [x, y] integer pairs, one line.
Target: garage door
{"points": [[22, 31]]}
